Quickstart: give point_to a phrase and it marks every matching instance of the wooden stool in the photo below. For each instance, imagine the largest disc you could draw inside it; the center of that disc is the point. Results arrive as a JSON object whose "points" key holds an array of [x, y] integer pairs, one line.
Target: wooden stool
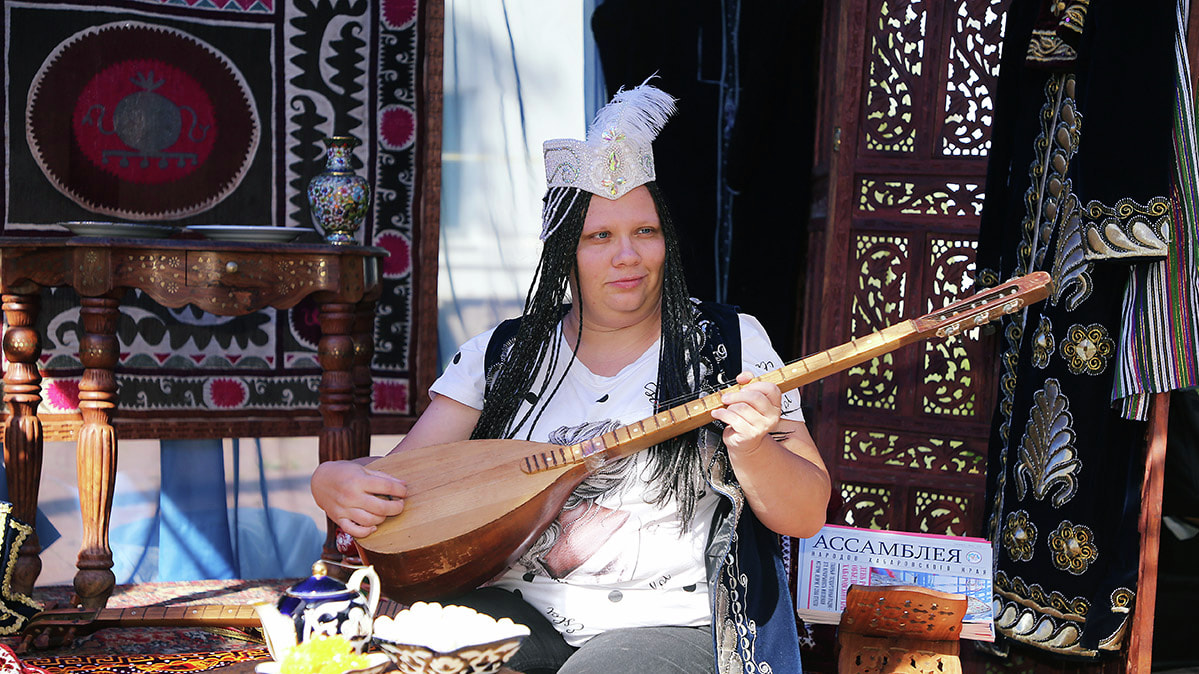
{"points": [[902, 629]]}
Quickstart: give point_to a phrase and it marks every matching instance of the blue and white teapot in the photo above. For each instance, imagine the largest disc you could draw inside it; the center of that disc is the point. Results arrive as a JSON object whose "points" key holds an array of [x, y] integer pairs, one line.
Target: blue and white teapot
{"points": [[321, 605]]}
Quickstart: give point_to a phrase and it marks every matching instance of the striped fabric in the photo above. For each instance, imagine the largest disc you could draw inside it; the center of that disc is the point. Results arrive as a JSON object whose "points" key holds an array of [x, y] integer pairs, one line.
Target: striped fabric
{"points": [[1159, 341]]}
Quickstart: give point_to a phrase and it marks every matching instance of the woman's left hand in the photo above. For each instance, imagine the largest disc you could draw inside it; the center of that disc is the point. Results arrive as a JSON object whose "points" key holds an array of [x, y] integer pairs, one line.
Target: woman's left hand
{"points": [[749, 413]]}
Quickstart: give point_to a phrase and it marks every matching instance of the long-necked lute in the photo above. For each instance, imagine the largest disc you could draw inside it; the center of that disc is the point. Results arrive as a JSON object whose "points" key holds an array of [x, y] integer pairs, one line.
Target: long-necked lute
{"points": [[474, 506], [59, 626]]}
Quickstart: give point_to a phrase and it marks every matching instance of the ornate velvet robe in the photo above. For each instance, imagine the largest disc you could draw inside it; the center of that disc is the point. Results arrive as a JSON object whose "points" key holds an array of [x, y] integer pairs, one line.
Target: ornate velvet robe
{"points": [[1079, 185]]}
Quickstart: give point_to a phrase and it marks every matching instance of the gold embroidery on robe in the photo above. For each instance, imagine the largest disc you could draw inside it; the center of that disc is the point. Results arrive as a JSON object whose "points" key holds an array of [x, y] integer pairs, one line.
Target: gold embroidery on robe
{"points": [[1043, 344], [1019, 536], [1128, 229], [1123, 600], [1071, 268], [1048, 459], [1073, 547], [1088, 349], [1073, 16], [1046, 46], [1025, 613]]}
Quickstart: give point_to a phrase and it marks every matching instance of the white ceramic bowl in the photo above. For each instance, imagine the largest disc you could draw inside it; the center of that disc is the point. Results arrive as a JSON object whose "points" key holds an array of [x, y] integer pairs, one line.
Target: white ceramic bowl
{"points": [[432, 639]]}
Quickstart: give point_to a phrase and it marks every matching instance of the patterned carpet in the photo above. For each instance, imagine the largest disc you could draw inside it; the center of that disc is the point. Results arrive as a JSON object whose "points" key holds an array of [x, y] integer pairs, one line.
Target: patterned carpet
{"points": [[159, 650], [134, 650], [145, 664]]}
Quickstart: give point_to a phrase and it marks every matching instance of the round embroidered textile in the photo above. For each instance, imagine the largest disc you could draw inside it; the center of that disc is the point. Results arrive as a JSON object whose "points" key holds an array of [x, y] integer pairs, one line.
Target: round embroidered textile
{"points": [[141, 121]]}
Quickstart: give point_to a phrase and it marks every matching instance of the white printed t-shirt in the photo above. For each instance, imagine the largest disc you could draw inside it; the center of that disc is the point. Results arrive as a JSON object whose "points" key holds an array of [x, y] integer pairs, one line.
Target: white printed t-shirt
{"points": [[611, 559]]}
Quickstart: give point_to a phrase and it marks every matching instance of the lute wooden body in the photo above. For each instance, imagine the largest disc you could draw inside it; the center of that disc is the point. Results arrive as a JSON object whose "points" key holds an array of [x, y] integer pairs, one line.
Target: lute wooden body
{"points": [[474, 506]]}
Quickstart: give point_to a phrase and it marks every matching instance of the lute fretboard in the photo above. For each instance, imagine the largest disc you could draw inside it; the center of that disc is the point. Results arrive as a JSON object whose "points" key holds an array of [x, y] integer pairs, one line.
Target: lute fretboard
{"points": [[952, 320]]}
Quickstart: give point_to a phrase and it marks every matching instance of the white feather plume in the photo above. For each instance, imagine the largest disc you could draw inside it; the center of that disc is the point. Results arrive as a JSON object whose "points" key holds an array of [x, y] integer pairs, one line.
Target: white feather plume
{"points": [[639, 113]]}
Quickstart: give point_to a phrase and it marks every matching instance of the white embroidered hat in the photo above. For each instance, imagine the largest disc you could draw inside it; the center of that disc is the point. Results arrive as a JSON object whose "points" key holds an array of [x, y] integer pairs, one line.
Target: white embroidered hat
{"points": [[617, 155]]}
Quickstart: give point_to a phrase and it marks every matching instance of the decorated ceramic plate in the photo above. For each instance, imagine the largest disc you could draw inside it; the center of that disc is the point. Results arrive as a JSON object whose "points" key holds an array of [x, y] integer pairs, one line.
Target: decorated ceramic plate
{"points": [[261, 233], [378, 663], [123, 230]]}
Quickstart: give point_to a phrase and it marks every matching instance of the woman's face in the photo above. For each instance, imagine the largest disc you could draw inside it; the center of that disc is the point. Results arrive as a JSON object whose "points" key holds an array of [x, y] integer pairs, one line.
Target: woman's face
{"points": [[620, 258]]}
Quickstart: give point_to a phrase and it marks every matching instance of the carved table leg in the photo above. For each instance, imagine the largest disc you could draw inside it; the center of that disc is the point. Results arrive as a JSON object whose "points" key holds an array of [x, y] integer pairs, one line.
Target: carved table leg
{"points": [[96, 453], [336, 353], [364, 350], [23, 435]]}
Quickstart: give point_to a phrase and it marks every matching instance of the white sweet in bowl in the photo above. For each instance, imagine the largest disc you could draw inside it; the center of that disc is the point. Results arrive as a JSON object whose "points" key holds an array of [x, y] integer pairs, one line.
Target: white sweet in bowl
{"points": [[429, 637]]}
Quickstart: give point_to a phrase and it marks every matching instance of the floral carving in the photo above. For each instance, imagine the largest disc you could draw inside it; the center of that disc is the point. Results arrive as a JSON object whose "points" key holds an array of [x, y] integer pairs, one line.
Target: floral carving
{"points": [[892, 74], [972, 72]]}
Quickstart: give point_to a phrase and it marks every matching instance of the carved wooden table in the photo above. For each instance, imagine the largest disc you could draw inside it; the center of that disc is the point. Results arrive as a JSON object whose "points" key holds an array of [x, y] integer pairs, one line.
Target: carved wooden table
{"points": [[223, 278]]}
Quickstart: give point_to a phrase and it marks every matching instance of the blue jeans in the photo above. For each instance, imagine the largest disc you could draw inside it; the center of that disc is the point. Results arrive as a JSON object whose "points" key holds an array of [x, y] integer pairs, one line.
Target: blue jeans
{"points": [[648, 650]]}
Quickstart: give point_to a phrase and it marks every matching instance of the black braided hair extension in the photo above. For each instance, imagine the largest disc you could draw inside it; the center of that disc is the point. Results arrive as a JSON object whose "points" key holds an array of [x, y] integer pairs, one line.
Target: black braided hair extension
{"points": [[675, 466], [543, 309], [675, 470]]}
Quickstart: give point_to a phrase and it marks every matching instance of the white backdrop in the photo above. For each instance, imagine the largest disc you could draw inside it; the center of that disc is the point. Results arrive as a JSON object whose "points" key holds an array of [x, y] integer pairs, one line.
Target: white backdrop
{"points": [[514, 77]]}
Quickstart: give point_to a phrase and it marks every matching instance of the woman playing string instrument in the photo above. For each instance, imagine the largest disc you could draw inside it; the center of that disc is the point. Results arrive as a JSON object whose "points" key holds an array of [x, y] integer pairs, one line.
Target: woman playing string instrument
{"points": [[666, 560]]}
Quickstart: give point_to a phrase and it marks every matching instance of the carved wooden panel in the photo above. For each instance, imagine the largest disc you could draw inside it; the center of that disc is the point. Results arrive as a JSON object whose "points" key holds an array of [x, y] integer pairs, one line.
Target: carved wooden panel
{"points": [[975, 44], [900, 630], [865, 505], [894, 68], [876, 449], [919, 195], [884, 655], [907, 105], [939, 512], [880, 269]]}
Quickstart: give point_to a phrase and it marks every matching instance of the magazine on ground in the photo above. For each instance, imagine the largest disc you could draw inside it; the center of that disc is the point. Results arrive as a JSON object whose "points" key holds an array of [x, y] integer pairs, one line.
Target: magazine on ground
{"points": [[837, 557]]}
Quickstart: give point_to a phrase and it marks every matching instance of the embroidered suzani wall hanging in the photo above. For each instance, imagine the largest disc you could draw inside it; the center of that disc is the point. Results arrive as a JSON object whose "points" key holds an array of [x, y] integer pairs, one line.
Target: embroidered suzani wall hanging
{"points": [[224, 105]]}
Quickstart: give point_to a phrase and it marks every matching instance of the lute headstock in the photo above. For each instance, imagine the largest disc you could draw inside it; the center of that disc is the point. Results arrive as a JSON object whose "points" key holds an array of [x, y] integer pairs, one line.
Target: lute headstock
{"points": [[986, 306]]}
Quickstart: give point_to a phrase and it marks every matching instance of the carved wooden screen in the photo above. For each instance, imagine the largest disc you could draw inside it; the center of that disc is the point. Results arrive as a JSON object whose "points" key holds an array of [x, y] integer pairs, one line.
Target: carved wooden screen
{"points": [[906, 105]]}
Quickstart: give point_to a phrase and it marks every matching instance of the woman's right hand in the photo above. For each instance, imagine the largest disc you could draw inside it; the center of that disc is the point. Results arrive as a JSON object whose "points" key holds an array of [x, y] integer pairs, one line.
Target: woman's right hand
{"points": [[355, 497]]}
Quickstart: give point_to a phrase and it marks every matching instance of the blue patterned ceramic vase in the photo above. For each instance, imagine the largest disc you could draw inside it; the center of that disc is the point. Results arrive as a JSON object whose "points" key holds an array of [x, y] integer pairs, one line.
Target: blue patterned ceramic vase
{"points": [[337, 196]]}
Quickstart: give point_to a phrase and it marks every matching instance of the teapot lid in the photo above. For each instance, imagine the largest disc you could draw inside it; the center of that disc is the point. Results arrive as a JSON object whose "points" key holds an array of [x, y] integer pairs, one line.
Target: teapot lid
{"points": [[320, 585]]}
